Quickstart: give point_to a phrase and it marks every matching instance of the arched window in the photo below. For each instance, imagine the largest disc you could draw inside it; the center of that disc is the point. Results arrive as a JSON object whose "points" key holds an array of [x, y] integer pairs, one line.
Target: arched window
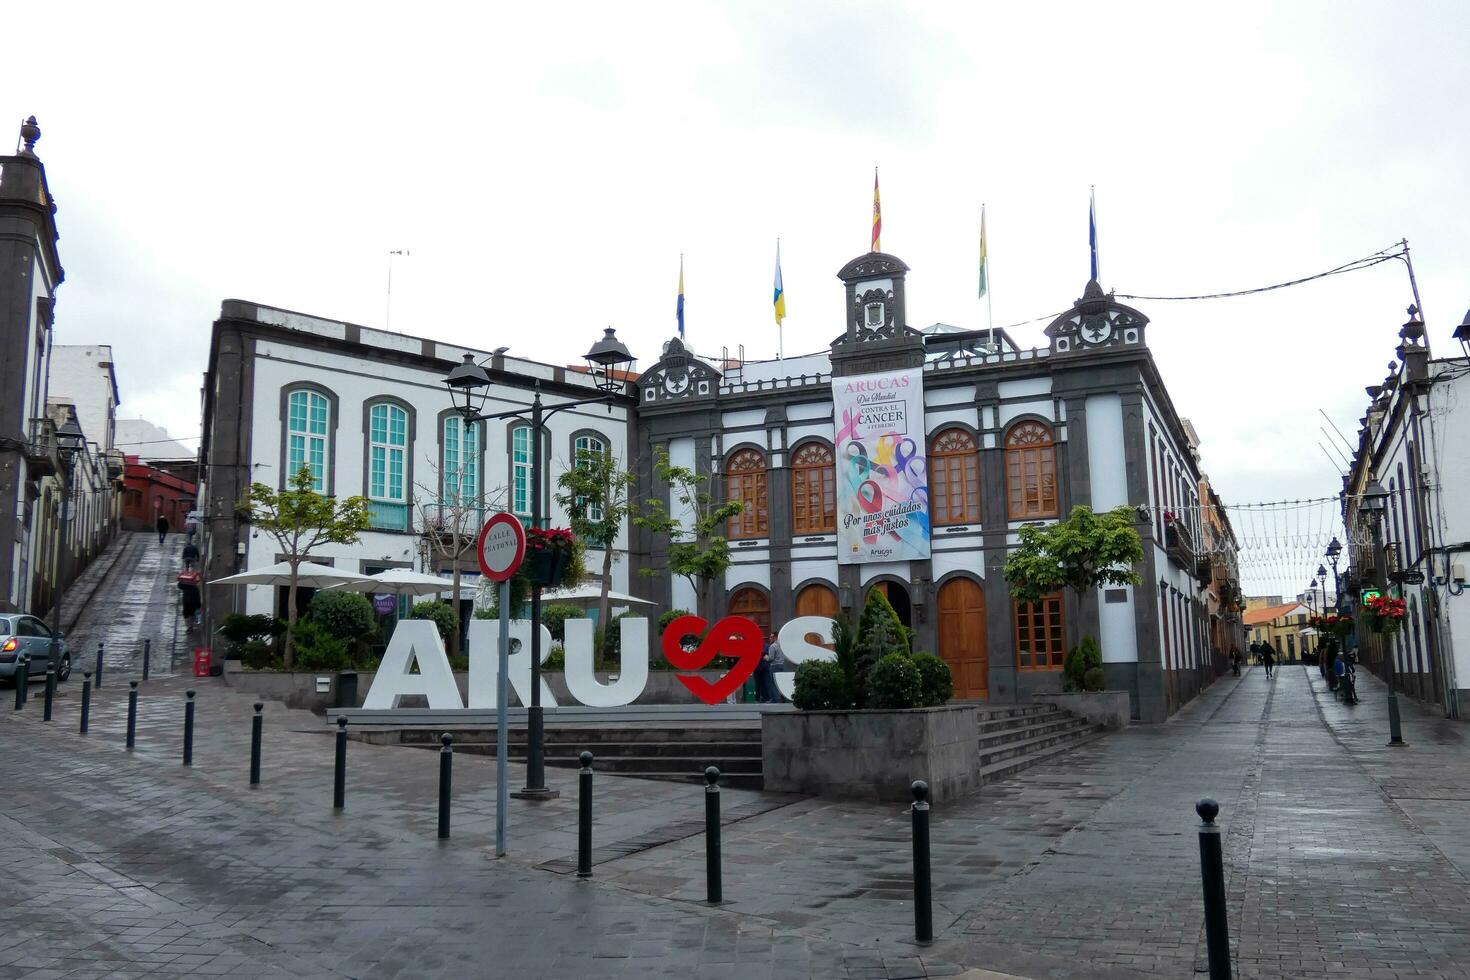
{"points": [[745, 481], [813, 490], [388, 466], [753, 605], [520, 470], [1031, 471], [585, 449], [954, 478], [308, 421], [461, 477], [1040, 638]]}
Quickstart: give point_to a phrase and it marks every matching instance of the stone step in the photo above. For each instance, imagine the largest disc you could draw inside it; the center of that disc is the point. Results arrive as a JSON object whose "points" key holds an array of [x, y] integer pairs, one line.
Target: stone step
{"points": [[1025, 746], [1051, 726], [587, 737], [990, 712], [986, 727], [670, 765], [613, 750], [1006, 767]]}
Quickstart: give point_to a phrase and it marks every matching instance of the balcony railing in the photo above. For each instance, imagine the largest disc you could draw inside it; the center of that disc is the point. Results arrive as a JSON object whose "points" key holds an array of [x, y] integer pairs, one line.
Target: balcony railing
{"points": [[1179, 546], [386, 516], [43, 449]]}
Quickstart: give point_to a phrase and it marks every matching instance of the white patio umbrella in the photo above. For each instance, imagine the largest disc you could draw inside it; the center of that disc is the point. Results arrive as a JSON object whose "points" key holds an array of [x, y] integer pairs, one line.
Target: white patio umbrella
{"points": [[310, 575], [591, 593], [401, 581]]}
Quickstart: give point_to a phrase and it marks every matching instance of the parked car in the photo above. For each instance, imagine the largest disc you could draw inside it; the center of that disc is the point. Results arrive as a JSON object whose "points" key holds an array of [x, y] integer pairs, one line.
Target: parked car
{"points": [[22, 634]]}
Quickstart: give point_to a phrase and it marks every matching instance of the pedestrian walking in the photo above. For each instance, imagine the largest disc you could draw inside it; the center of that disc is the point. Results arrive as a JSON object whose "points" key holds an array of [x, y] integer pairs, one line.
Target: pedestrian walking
{"points": [[763, 671], [189, 604], [190, 555], [161, 526], [1255, 649], [1235, 661], [778, 664], [1268, 658]]}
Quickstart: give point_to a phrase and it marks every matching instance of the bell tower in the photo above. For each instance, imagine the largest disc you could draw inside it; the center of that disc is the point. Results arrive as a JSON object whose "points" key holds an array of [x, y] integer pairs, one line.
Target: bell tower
{"points": [[876, 335]]}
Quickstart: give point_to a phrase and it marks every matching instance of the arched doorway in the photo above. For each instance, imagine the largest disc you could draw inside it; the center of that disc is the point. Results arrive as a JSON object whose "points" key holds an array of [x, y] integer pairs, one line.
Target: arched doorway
{"points": [[753, 605], [898, 598], [962, 641], [817, 600]]}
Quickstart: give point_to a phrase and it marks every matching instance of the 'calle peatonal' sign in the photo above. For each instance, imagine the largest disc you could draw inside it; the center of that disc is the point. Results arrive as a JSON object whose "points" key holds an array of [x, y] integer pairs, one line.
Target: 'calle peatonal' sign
{"points": [[416, 641]]}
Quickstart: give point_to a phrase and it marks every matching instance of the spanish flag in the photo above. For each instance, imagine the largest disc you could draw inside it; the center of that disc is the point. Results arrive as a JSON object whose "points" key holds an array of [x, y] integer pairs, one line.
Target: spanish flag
{"points": [[877, 214], [679, 309], [779, 297]]}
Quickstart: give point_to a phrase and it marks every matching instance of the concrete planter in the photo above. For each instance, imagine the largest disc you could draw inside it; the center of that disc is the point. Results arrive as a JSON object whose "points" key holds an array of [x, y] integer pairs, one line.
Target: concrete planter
{"points": [[1106, 708], [872, 755], [298, 689]]}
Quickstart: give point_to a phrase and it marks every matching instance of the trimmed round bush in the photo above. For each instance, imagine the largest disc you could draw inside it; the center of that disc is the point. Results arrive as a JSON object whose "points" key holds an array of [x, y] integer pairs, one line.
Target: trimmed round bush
{"points": [[345, 615], [894, 682], [821, 685], [1094, 680], [935, 684], [318, 649], [437, 610], [669, 617]]}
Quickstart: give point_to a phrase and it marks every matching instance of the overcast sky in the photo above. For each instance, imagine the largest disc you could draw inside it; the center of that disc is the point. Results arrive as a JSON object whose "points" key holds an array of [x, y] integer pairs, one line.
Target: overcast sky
{"points": [[547, 164]]}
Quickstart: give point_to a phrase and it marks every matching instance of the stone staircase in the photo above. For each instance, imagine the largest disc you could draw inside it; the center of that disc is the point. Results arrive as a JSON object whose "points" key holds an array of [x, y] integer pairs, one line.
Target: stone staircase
{"points": [[1016, 737], [678, 754]]}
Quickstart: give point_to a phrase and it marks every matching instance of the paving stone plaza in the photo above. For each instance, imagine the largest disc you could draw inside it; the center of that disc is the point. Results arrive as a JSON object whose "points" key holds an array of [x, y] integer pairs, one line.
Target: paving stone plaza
{"points": [[1343, 858]]}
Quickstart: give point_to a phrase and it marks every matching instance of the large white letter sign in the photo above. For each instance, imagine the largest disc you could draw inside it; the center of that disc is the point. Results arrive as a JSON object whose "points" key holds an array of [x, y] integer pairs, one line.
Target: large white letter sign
{"points": [[414, 639], [632, 677], [798, 648], [484, 650]]}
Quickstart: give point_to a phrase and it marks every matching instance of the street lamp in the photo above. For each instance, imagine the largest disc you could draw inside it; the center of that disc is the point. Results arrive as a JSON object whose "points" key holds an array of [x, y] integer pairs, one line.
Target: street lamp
{"points": [[1374, 503], [69, 442], [469, 387]]}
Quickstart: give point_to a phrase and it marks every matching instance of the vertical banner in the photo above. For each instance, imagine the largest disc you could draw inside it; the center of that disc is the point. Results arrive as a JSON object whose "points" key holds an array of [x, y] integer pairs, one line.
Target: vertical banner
{"points": [[882, 472]]}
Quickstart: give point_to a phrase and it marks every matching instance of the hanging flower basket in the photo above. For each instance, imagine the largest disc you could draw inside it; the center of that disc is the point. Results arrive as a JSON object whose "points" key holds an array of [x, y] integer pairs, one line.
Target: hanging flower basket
{"points": [[1385, 614], [548, 555]]}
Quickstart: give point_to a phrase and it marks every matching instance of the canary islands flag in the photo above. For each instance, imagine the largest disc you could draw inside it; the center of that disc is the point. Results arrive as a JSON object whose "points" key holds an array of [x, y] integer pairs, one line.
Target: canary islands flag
{"points": [[679, 310], [778, 297]]}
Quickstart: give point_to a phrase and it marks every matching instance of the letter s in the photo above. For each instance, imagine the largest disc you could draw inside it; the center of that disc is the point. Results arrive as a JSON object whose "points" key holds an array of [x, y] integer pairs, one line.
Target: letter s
{"points": [[798, 648]]}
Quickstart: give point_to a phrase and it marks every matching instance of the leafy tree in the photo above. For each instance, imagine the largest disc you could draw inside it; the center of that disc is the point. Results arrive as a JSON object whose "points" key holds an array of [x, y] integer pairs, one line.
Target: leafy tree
{"points": [[1083, 553], [301, 520], [596, 493], [698, 552]]}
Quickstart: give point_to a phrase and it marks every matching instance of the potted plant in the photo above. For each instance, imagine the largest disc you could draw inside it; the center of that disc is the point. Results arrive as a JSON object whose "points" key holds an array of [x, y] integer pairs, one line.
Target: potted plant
{"points": [[548, 555], [1385, 614]]}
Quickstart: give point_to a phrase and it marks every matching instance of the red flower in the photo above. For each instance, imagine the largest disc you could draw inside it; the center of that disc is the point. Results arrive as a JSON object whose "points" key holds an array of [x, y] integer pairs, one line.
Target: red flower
{"points": [[549, 539]]}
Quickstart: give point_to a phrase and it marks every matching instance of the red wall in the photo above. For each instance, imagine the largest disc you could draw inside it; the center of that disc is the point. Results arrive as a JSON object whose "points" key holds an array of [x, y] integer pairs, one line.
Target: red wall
{"points": [[147, 492]]}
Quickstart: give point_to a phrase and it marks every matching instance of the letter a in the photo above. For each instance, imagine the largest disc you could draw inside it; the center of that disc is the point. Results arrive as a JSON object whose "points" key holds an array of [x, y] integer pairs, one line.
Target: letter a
{"points": [[414, 639]]}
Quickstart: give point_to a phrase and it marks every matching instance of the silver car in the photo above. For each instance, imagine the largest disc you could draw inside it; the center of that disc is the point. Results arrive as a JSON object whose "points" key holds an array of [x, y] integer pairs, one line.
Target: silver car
{"points": [[21, 634]]}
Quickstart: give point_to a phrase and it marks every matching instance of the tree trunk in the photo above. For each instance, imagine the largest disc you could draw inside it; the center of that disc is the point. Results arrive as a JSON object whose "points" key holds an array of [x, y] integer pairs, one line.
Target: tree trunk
{"points": [[289, 659], [602, 608], [454, 647]]}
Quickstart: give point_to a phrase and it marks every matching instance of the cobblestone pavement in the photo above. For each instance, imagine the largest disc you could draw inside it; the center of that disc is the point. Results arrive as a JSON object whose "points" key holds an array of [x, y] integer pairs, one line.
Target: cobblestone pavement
{"points": [[126, 594], [1344, 858]]}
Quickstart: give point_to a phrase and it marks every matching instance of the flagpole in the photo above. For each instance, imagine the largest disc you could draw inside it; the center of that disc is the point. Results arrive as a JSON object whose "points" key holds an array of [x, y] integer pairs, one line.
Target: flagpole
{"points": [[989, 311], [780, 327]]}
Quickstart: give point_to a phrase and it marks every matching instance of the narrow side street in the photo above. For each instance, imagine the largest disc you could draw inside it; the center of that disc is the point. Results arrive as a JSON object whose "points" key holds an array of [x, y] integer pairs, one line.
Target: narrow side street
{"points": [[126, 595]]}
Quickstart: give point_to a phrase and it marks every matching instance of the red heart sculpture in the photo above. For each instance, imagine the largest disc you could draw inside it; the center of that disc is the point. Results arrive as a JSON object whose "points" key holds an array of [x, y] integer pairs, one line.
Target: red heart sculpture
{"points": [[733, 636]]}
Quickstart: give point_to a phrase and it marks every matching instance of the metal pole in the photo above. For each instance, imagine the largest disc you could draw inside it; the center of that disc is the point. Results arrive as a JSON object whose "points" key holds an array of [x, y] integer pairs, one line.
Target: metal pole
{"points": [[584, 817], [132, 713], [99, 665], [50, 690], [712, 835], [923, 888], [502, 705], [1395, 730], [86, 699], [535, 730], [339, 778], [146, 645], [1212, 873], [446, 775], [22, 679], [188, 728], [257, 726]]}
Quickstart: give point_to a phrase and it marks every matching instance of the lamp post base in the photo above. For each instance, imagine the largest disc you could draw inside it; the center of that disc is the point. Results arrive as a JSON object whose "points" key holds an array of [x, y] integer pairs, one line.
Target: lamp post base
{"points": [[1395, 734], [536, 793]]}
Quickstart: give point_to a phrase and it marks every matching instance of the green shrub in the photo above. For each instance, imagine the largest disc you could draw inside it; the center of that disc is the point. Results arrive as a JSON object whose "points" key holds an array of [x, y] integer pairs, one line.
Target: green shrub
{"points": [[1080, 659], [318, 649], [611, 647], [437, 610], [821, 685], [556, 659], [256, 654], [345, 615], [894, 682], [880, 624], [935, 685], [239, 628], [1094, 680], [669, 617], [554, 617]]}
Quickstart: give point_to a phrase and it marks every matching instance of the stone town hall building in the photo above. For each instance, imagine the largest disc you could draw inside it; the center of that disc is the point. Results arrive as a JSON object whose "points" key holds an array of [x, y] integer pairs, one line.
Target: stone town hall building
{"points": [[1012, 436]]}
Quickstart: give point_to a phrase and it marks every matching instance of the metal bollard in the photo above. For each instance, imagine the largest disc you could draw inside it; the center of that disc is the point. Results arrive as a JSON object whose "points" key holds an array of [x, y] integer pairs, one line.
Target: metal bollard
{"points": [[257, 725], [584, 816], [188, 728], [86, 699], [339, 779], [99, 665], [22, 680], [446, 776], [146, 645], [923, 890], [50, 691], [132, 713], [1212, 873], [712, 835]]}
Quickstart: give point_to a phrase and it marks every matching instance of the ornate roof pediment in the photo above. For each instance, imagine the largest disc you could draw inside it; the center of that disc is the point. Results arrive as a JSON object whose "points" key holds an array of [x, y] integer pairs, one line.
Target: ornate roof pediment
{"points": [[678, 374], [1096, 321]]}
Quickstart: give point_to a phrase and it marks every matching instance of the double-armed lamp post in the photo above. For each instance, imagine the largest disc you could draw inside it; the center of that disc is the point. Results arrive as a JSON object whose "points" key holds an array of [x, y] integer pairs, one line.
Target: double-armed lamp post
{"points": [[609, 362], [1374, 503], [69, 443]]}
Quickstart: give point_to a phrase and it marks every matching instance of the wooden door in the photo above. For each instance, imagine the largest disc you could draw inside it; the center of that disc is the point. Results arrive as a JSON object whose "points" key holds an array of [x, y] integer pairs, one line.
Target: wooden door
{"points": [[817, 600], [962, 640]]}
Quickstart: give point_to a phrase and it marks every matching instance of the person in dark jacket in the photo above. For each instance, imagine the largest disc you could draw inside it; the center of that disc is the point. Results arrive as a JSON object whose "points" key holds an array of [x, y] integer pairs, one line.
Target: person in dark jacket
{"points": [[1268, 658], [190, 555], [161, 526]]}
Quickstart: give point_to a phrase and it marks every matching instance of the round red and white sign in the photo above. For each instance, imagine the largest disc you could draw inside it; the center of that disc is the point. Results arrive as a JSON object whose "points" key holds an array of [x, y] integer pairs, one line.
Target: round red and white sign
{"points": [[502, 546]]}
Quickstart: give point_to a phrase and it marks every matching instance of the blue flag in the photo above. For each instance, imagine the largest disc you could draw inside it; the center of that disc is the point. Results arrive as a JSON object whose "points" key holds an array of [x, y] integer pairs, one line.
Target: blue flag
{"points": [[680, 309], [1092, 233]]}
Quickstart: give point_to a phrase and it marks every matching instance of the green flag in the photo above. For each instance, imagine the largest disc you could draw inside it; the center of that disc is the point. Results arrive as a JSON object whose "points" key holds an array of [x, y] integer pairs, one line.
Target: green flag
{"points": [[984, 259]]}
